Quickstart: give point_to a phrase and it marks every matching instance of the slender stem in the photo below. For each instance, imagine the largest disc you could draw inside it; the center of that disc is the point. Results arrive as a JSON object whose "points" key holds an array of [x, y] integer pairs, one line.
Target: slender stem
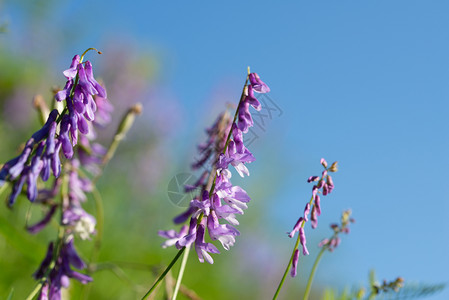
{"points": [[286, 270], [181, 272], [165, 273], [98, 238], [312, 273], [35, 291], [100, 223]]}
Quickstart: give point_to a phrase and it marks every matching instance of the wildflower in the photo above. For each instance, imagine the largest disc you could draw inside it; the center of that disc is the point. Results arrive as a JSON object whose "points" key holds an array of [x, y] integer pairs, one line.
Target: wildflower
{"points": [[295, 260], [203, 249], [59, 275], [220, 199], [334, 241], [324, 185], [172, 236]]}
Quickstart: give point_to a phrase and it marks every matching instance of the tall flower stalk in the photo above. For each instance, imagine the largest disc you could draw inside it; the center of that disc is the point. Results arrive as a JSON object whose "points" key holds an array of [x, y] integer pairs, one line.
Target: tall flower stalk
{"points": [[330, 245], [218, 199], [324, 185]]}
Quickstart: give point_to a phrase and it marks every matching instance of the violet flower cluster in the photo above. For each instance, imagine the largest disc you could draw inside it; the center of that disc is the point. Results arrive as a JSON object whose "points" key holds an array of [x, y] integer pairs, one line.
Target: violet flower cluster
{"points": [[333, 242], [86, 105], [40, 155], [324, 186], [219, 199]]}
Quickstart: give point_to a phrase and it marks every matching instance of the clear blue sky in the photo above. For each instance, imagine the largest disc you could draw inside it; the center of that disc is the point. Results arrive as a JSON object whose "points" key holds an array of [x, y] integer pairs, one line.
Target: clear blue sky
{"points": [[361, 82]]}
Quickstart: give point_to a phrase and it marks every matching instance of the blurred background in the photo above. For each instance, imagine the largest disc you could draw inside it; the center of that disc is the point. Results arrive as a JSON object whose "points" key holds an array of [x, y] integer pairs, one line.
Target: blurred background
{"points": [[361, 82]]}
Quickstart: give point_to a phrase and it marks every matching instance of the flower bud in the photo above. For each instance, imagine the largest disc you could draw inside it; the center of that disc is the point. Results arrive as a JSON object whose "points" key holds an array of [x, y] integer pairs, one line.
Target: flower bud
{"points": [[324, 162], [334, 167]]}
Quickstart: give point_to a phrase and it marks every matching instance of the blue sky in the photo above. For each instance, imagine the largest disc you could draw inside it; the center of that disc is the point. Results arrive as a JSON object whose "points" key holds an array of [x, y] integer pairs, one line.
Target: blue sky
{"points": [[361, 82]]}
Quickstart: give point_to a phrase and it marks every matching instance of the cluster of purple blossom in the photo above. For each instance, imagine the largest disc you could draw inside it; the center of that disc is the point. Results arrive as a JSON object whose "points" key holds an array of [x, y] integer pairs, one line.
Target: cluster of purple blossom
{"points": [[335, 240], [219, 199], [324, 185], [42, 153]]}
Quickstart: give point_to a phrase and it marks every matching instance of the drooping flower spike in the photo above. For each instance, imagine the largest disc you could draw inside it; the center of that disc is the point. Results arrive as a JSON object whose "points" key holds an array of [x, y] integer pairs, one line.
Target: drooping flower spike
{"points": [[41, 151], [324, 185], [219, 199]]}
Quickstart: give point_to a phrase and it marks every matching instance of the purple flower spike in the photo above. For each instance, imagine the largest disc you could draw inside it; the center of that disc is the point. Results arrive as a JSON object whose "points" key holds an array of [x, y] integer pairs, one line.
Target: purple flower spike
{"points": [[222, 200], [203, 249], [294, 270], [258, 85], [61, 271]]}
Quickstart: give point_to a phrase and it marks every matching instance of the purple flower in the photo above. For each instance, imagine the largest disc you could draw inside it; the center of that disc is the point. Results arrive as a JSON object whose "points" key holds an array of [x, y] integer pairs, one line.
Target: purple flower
{"points": [[189, 238], [100, 91], [295, 260], [302, 239], [64, 138], [258, 85], [251, 99], [104, 111], [41, 224], [296, 228], [225, 233], [61, 272], [172, 236], [71, 72], [245, 121], [203, 249]]}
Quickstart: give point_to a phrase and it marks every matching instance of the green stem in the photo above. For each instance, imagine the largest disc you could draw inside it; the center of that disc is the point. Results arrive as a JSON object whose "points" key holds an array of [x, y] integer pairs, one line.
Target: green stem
{"points": [[98, 238], [100, 223], [181, 272], [312, 273], [172, 263], [286, 270], [35, 291]]}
